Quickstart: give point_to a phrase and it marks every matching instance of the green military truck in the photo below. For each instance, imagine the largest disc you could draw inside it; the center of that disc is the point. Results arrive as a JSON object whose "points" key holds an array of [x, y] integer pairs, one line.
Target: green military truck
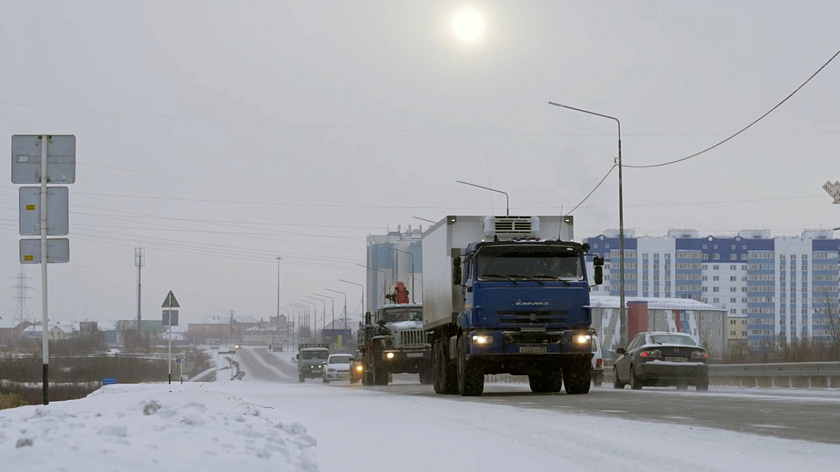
{"points": [[311, 358]]}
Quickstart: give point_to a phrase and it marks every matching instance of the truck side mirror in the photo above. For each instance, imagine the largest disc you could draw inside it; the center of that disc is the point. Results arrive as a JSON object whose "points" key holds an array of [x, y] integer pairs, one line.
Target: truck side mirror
{"points": [[456, 275], [367, 317], [599, 275]]}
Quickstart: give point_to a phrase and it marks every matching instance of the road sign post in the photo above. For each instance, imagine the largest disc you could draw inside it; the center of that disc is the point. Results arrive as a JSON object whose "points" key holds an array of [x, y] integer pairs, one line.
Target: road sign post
{"points": [[170, 318], [44, 159]]}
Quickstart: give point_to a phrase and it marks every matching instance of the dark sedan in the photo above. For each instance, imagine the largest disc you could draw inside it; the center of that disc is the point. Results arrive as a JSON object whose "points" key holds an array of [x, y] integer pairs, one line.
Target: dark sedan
{"points": [[663, 360]]}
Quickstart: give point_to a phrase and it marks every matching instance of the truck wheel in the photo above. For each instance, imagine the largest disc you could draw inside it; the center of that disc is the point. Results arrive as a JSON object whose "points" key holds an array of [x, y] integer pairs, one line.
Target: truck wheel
{"points": [[380, 373], [578, 376], [301, 377], [470, 378], [546, 382], [437, 368]]}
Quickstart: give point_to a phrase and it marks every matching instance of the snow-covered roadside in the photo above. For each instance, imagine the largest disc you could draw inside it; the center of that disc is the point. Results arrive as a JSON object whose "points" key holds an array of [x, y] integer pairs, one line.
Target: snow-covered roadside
{"points": [[270, 426]]}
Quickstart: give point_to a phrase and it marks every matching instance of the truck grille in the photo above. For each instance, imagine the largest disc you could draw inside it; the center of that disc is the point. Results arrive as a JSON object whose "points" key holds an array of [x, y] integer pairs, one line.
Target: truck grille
{"points": [[411, 337], [532, 318]]}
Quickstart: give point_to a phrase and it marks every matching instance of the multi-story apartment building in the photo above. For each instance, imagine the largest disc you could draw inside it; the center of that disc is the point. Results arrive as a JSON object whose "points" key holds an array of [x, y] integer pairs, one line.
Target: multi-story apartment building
{"points": [[772, 289]]}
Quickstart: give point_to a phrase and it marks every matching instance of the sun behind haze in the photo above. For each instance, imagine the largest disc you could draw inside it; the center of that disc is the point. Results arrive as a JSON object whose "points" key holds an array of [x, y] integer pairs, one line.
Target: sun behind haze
{"points": [[468, 25]]}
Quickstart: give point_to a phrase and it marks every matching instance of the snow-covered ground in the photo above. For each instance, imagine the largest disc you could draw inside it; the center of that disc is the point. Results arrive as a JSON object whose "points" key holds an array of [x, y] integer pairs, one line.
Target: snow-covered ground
{"points": [[258, 425]]}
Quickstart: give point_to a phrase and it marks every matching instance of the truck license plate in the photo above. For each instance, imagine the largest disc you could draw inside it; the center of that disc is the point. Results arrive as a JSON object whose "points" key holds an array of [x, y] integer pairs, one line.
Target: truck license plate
{"points": [[414, 354], [527, 349]]}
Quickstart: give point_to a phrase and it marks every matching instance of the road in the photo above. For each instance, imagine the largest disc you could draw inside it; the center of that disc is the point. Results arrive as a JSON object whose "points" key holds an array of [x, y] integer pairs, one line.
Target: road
{"points": [[810, 415]]}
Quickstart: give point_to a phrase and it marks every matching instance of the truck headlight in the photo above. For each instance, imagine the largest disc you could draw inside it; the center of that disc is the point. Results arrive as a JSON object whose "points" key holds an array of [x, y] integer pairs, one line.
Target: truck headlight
{"points": [[482, 339], [389, 355], [582, 339]]}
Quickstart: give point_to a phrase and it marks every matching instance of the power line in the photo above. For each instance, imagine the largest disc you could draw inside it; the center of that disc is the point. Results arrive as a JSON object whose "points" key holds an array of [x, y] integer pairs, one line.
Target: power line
{"points": [[743, 129]]}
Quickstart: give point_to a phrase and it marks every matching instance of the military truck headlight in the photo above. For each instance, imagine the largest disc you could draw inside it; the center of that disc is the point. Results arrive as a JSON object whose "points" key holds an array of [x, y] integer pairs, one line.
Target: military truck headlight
{"points": [[389, 355], [582, 339], [482, 339]]}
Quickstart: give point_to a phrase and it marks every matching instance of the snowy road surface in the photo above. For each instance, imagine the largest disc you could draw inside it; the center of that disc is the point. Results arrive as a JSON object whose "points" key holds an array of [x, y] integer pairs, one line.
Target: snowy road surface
{"points": [[260, 425]]}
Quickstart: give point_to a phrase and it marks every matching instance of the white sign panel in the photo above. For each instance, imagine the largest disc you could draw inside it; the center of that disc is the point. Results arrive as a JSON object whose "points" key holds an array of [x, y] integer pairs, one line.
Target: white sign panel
{"points": [[26, 159], [30, 211], [58, 251]]}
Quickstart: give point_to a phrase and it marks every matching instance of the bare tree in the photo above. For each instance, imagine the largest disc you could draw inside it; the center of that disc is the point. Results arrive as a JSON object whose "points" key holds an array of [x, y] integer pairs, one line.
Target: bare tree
{"points": [[827, 312]]}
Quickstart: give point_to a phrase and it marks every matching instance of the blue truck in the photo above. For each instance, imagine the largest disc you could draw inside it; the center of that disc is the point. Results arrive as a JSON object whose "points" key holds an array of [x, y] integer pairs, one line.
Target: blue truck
{"points": [[508, 294]]}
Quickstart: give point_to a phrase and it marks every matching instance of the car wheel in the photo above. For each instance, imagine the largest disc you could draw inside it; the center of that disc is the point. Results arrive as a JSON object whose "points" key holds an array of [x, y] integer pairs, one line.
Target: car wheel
{"points": [[301, 378], [635, 383], [682, 385], [617, 384], [703, 385]]}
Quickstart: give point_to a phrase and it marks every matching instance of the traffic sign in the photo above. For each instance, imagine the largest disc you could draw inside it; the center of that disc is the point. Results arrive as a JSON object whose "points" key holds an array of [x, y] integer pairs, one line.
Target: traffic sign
{"points": [[170, 301], [170, 317], [58, 250], [30, 211], [26, 159]]}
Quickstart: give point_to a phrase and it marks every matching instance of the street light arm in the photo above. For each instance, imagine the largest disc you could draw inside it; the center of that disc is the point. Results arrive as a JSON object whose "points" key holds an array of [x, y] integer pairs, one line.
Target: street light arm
{"points": [[507, 197], [622, 309], [363, 294]]}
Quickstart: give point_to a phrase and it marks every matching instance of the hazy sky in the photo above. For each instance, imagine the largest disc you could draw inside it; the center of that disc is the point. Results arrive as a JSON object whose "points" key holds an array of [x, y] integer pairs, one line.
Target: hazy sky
{"points": [[221, 135]]}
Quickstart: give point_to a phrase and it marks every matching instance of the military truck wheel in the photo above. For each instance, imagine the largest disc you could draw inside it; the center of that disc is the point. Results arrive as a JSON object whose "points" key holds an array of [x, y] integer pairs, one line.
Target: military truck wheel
{"points": [[380, 373], [437, 368], [470, 378], [578, 376]]}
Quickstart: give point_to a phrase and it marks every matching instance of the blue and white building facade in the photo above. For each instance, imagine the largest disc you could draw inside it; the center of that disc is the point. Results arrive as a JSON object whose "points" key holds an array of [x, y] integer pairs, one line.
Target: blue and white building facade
{"points": [[772, 289]]}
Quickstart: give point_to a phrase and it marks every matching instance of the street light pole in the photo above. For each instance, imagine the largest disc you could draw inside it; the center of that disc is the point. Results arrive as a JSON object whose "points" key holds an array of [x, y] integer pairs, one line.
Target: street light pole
{"points": [[315, 320], [278, 287], [384, 280], [345, 304], [622, 308], [325, 314], [305, 312], [363, 299], [507, 197], [332, 310]]}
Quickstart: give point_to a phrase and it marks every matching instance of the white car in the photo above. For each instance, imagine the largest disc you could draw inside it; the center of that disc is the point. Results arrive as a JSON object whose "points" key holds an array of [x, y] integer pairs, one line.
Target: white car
{"points": [[337, 367], [597, 362]]}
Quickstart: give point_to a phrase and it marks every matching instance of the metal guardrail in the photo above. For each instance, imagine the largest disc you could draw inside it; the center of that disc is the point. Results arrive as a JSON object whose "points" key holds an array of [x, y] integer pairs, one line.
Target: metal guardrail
{"points": [[782, 374]]}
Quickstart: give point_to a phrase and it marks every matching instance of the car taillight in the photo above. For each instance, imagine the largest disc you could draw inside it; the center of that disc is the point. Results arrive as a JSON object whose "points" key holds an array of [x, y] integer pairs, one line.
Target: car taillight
{"points": [[653, 354], [699, 355], [599, 363]]}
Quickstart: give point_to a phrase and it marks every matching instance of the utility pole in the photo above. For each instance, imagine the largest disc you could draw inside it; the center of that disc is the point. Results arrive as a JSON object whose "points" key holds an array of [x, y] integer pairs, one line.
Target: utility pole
{"points": [[139, 262]]}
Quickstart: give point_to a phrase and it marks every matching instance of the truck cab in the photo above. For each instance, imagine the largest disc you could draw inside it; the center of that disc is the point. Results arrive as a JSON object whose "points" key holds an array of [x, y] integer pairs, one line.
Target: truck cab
{"points": [[395, 343], [311, 359]]}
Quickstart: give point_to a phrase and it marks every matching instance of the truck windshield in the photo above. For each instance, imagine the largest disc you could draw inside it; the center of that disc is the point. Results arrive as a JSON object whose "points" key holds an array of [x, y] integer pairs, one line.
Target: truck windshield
{"points": [[497, 264], [395, 314], [314, 354]]}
